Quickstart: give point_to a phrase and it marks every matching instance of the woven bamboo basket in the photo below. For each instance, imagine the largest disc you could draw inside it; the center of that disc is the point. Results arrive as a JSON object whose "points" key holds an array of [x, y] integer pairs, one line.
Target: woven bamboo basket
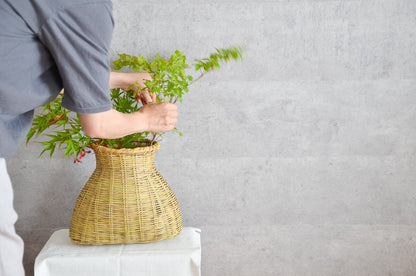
{"points": [[125, 200]]}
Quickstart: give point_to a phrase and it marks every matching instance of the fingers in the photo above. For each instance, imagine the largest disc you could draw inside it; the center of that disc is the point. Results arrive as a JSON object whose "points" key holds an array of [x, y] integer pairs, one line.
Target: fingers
{"points": [[145, 98], [139, 86]]}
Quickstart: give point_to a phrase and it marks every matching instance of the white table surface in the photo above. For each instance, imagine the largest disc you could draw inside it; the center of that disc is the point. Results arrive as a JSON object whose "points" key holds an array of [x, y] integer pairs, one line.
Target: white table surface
{"points": [[180, 256]]}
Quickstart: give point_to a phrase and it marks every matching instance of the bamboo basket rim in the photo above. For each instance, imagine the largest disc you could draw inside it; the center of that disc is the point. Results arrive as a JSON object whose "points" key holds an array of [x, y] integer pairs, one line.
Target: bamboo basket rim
{"points": [[126, 151]]}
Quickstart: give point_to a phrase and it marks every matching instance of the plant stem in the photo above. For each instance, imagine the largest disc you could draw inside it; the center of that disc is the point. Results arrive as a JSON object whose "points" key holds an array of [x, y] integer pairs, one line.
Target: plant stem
{"points": [[153, 139], [195, 80]]}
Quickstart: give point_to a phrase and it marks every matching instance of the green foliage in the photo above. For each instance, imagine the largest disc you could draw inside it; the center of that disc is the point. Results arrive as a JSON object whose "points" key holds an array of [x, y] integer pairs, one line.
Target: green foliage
{"points": [[221, 55], [169, 81], [67, 132]]}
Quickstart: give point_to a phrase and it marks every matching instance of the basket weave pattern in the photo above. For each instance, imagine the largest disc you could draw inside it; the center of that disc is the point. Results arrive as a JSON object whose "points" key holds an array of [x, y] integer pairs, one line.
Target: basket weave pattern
{"points": [[126, 200]]}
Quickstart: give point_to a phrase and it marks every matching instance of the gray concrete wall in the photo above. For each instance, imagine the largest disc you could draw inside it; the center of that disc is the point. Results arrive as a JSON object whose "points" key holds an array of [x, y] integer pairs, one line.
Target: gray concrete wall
{"points": [[299, 161]]}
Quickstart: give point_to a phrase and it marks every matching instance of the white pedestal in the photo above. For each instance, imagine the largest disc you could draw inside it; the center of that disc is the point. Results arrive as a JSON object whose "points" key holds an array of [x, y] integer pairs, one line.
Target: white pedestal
{"points": [[180, 256]]}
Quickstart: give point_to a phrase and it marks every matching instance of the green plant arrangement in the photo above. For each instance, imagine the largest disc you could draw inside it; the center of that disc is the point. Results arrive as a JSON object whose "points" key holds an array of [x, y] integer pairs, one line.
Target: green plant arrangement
{"points": [[170, 81]]}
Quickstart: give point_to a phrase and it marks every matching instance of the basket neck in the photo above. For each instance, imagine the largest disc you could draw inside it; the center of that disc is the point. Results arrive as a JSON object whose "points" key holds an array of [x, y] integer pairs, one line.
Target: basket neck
{"points": [[142, 158]]}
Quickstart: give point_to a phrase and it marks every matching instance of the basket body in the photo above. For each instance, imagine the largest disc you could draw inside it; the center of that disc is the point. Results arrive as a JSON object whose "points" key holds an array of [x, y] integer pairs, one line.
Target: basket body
{"points": [[125, 200]]}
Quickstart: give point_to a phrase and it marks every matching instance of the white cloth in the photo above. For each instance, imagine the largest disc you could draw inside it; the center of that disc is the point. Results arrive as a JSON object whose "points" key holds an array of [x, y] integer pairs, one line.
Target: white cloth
{"points": [[180, 256], [11, 245]]}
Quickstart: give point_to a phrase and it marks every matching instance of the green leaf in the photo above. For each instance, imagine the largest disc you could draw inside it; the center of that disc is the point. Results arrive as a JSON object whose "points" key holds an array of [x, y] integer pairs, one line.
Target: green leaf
{"points": [[52, 148], [29, 136]]}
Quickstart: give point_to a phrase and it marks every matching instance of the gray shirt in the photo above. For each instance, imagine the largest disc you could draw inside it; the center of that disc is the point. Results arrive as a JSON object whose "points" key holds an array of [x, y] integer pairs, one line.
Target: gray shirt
{"points": [[47, 45]]}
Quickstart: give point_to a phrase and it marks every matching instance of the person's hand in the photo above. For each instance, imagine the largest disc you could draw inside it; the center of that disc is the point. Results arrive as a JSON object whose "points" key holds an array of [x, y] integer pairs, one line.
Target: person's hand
{"points": [[142, 96], [142, 77], [159, 117]]}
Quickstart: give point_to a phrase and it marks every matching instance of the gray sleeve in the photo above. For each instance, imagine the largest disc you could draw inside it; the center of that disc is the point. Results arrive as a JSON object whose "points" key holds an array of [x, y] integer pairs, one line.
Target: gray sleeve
{"points": [[79, 40]]}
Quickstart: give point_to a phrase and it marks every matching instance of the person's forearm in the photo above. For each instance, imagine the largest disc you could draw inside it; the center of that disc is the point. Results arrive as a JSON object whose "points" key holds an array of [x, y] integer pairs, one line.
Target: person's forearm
{"points": [[154, 117], [125, 80], [122, 80], [112, 124]]}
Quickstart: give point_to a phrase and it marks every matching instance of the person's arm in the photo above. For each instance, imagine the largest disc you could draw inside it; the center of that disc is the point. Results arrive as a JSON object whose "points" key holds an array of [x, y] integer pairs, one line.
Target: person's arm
{"points": [[124, 80], [83, 65], [152, 117]]}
